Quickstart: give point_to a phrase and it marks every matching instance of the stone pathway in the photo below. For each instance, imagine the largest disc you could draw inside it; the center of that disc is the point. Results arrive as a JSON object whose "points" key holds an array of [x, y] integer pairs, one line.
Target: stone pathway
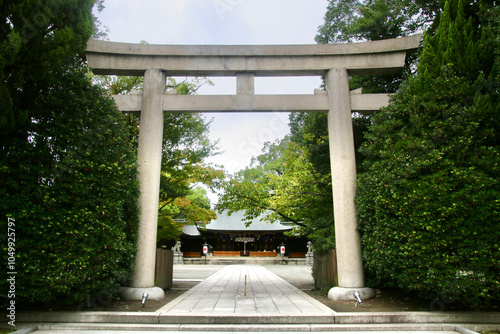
{"points": [[219, 304], [224, 293]]}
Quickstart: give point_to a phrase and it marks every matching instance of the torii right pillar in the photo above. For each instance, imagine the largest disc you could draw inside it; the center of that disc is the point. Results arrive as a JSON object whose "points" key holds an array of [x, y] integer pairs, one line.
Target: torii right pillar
{"points": [[343, 166]]}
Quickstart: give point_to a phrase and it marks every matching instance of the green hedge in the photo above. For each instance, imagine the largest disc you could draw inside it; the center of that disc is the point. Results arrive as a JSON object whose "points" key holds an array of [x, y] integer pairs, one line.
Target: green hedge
{"points": [[429, 200], [70, 183]]}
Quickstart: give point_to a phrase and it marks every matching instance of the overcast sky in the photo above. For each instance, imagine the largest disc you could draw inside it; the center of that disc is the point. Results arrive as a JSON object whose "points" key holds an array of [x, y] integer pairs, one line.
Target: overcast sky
{"points": [[241, 135]]}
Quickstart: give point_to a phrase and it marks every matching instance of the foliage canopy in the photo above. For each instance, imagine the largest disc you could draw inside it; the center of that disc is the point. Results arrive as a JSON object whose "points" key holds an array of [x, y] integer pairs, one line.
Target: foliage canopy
{"points": [[35, 37]]}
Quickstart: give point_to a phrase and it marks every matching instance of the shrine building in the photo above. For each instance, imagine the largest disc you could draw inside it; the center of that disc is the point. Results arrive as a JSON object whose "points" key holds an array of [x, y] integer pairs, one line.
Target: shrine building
{"points": [[233, 235]]}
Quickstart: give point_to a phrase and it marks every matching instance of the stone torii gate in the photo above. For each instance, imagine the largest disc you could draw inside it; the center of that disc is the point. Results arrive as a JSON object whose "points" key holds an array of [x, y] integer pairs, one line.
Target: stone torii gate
{"points": [[335, 61]]}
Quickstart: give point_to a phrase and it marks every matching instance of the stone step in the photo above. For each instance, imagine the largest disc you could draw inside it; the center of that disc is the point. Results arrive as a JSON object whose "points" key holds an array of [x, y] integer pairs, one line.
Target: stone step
{"points": [[147, 318], [215, 260], [187, 328]]}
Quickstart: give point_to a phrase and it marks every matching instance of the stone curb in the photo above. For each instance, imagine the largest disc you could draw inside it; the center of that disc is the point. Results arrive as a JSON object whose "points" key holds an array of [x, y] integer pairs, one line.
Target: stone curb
{"points": [[89, 317], [337, 318], [245, 319], [417, 317], [254, 328]]}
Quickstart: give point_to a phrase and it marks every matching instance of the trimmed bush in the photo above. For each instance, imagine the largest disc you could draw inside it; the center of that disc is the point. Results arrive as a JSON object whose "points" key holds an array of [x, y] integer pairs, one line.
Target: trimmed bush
{"points": [[428, 202], [70, 184]]}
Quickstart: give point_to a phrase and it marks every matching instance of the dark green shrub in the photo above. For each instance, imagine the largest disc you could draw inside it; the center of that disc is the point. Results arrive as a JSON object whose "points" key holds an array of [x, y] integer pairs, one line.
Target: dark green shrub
{"points": [[70, 184], [428, 205], [428, 202]]}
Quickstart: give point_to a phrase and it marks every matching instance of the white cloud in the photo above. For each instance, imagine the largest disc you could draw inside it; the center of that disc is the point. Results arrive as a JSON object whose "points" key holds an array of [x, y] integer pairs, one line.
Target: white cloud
{"points": [[214, 21], [242, 136]]}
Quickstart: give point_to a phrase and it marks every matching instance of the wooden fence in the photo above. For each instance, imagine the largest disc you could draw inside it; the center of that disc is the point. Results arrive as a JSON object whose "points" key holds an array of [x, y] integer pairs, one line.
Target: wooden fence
{"points": [[325, 269], [164, 268]]}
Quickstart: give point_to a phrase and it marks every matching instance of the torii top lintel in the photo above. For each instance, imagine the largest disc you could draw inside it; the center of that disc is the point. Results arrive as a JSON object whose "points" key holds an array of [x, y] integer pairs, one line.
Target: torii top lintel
{"points": [[384, 56]]}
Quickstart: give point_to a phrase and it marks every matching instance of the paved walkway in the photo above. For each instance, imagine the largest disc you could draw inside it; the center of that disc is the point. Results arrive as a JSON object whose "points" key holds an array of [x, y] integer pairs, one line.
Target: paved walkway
{"points": [[224, 294], [219, 304]]}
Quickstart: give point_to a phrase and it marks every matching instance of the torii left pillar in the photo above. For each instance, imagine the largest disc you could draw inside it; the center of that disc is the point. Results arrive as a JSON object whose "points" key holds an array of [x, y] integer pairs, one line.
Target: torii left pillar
{"points": [[149, 159], [343, 165]]}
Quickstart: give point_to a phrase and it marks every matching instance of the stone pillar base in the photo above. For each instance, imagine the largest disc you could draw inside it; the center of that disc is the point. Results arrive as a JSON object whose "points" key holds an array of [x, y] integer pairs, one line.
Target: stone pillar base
{"points": [[155, 293], [338, 293], [178, 258], [309, 259]]}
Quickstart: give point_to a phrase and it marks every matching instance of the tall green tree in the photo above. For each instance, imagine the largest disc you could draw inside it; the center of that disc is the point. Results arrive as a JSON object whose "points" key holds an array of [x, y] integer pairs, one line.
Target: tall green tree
{"points": [[283, 185], [35, 37], [68, 172], [189, 210], [71, 186], [428, 201], [353, 21]]}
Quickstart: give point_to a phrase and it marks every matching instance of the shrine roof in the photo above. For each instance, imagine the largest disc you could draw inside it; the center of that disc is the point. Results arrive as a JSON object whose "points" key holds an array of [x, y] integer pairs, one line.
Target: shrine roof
{"points": [[236, 223]]}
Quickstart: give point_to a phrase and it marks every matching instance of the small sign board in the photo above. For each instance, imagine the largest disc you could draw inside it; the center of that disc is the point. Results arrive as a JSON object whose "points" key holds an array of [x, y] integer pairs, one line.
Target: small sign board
{"points": [[244, 239]]}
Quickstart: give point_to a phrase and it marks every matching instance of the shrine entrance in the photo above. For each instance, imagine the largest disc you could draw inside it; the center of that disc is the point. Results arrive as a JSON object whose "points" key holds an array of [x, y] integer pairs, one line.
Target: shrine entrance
{"points": [[245, 62]]}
